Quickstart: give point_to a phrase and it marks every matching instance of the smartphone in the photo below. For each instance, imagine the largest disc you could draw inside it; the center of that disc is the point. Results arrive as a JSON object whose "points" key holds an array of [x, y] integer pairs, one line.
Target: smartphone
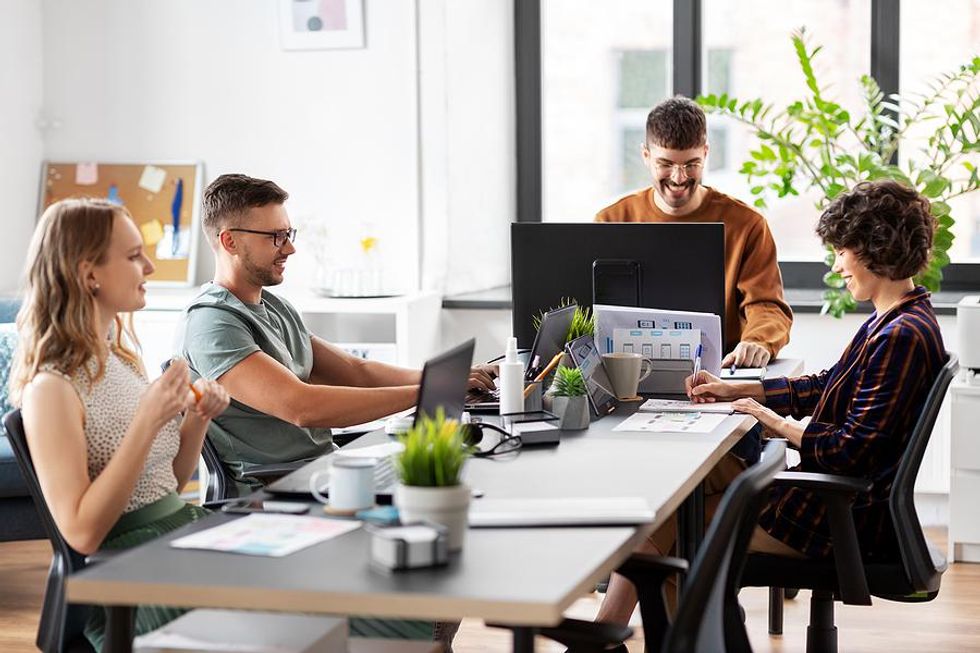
{"points": [[257, 505]]}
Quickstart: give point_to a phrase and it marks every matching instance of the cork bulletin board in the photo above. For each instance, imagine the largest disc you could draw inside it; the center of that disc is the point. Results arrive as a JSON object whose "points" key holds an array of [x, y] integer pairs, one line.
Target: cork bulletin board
{"points": [[163, 198]]}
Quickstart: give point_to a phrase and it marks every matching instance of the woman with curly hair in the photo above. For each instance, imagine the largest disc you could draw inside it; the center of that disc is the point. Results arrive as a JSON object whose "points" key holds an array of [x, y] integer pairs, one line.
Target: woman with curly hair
{"points": [[863, 408], [110, 449]]}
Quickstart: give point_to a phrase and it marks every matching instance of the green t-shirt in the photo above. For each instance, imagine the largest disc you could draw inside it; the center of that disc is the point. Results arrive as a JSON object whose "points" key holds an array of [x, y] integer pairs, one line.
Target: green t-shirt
{"points": [[218, 331]]}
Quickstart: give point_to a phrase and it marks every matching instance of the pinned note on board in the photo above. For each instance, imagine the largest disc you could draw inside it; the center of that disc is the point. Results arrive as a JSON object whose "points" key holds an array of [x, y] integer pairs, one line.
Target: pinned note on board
{"points": [[152, 178], [87, 173], [152, 232]]}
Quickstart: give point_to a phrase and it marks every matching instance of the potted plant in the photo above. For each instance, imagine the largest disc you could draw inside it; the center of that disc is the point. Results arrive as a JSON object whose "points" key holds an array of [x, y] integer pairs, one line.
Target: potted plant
{"points": [[430, 469], [816, 143], [569, 402]]}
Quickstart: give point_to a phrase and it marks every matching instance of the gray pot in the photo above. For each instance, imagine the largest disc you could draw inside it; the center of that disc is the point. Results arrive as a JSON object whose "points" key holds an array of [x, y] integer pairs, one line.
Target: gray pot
{"points": [[572, 412]]}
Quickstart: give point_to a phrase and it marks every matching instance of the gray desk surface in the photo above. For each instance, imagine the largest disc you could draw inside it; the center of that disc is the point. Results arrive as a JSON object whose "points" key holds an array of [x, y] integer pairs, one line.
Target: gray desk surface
{"points": [[526, 576]]}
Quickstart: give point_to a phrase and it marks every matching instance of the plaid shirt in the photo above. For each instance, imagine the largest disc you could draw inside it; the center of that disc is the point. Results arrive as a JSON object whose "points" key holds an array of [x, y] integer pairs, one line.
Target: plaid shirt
{"points": [[864, 409]]}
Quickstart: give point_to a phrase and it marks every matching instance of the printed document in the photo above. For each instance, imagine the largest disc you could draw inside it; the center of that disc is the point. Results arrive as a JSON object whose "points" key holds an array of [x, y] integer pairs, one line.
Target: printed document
{"points": [[266, 535]]}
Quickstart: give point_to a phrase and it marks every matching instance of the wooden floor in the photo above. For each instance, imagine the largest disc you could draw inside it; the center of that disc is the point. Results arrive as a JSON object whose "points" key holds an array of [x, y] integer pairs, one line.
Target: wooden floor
{"points": [[950, 623]]}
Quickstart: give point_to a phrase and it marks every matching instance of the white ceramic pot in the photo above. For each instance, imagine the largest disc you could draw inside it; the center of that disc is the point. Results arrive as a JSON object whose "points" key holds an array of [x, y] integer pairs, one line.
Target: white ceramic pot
{"points": [[448, 506], [572, 412]]}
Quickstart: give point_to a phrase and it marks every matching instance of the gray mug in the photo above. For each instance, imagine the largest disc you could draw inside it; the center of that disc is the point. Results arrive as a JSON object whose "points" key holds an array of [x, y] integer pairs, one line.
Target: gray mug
{"points": [[625, 371]]}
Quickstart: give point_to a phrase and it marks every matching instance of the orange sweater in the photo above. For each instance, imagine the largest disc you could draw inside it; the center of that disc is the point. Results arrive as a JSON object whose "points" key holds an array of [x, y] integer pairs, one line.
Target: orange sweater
{"points": [[754, 306]]}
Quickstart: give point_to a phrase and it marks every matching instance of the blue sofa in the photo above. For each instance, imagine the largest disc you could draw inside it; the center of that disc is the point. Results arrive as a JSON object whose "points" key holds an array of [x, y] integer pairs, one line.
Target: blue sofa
{"points": [[18, 518]]}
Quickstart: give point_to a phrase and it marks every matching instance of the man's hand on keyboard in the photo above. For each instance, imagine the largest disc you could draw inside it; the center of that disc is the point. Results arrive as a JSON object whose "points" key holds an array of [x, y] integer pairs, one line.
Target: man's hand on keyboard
{"points": [[481, 379]]}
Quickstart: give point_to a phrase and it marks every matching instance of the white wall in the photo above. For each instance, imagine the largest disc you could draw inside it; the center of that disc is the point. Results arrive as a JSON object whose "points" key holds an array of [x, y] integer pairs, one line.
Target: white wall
{"points": [[20, 109], [184, 79]]}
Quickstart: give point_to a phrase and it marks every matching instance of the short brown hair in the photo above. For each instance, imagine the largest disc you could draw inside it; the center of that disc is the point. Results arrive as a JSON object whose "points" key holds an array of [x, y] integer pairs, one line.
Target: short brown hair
{"points": [[677, 124], [227, 198], [886, 224]]}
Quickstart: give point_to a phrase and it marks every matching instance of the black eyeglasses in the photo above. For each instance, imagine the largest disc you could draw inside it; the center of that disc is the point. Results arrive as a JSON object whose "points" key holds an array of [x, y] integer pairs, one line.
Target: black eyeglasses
{"points": [[278, 237], [484, 447]]}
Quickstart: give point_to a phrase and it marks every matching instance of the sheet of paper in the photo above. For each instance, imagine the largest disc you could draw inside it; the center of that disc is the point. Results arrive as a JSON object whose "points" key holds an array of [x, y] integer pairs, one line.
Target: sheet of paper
{"points": [[266, 535], [152, 232], [87, 173], [685, 406], [152, 178], [671, 423]]}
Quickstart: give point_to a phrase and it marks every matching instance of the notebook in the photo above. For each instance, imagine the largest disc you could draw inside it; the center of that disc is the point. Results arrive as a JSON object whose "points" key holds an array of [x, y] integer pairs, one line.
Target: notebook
{"points": [[685, 406], [570, 511]]}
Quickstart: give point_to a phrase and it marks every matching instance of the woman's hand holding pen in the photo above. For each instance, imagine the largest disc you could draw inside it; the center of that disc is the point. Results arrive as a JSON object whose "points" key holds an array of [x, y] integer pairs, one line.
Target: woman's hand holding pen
{"points": [[705, 387]]}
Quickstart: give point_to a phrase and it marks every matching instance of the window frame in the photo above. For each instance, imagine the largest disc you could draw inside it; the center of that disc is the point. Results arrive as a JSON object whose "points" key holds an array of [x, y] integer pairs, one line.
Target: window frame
{"points": [[687, 62]]}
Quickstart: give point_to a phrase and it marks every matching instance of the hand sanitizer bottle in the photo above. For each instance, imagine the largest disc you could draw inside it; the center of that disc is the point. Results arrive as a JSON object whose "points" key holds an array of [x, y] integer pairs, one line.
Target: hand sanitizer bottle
{"points": [[511, 374]]}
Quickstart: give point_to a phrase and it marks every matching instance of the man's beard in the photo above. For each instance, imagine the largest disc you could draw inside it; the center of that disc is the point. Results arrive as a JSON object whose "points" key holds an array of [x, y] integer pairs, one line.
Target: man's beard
{"points": [[261, 276]]}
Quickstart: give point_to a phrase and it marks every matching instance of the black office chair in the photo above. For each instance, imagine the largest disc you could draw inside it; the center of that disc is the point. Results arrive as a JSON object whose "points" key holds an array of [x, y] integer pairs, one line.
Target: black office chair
{"points": [[709, 618], [912, 578], [61, 629]]}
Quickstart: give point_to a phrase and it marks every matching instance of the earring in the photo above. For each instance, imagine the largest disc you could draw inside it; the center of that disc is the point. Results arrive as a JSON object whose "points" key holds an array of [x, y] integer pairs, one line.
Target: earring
{"points": [[95, 290]]}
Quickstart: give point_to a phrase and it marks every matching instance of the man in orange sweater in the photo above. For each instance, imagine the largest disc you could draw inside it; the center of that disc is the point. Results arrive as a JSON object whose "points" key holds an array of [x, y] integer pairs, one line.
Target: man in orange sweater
{"points": [[757, 318]]}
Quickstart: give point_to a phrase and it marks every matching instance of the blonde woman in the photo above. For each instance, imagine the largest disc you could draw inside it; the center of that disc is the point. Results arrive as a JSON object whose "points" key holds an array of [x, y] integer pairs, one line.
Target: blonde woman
{"points": [[110, 448]]}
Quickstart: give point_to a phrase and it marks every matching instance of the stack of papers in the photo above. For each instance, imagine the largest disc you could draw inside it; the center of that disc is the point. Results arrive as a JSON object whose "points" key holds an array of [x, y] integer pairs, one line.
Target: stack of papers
{"points": [[266, 535], [684, 406]]}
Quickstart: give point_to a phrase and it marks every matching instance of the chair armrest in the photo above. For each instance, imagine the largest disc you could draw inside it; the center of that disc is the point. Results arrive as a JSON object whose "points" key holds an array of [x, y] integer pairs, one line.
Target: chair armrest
{"points": [[822, 482], [274, 470], [646, 563], [648, 574], [838, 493]]}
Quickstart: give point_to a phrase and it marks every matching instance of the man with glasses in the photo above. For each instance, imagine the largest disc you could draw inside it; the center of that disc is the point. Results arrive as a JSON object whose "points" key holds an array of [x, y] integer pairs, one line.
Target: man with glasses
{"points": [[757, 318], [287, 386]]}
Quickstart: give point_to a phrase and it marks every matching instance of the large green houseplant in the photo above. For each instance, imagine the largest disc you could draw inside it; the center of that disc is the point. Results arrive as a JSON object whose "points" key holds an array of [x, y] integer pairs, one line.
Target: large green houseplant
{"points": [[816, 143]]}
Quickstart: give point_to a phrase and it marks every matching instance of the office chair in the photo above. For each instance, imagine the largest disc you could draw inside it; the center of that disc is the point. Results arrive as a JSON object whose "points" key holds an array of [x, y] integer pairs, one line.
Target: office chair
{"points": [[709, 618], [61, 629], [913, 577]]}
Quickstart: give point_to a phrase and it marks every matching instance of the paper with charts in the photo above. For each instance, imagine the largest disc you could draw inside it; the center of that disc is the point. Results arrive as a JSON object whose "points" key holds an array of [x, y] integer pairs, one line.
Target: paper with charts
{"points": [[685, 406], [671, 423], [266, 535]]}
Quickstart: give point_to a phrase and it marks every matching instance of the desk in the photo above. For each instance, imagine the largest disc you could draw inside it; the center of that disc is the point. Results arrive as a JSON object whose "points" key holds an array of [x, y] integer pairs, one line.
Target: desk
{"points": [[526, 577]]}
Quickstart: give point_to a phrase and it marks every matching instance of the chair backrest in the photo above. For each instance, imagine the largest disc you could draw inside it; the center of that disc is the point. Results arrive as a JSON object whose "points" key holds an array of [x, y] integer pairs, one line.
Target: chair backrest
{"points": [[918, 562], [62, 624], [709, 605]]}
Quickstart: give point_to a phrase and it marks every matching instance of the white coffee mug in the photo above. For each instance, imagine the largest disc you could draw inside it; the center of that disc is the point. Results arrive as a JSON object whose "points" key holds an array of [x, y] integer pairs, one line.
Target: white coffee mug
{"points": [[350, 487]]}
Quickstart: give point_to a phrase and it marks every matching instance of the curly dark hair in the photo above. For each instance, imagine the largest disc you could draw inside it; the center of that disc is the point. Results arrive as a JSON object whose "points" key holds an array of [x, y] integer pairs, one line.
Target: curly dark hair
{"points": [[886, 224], [677, 123], [227, 198]]}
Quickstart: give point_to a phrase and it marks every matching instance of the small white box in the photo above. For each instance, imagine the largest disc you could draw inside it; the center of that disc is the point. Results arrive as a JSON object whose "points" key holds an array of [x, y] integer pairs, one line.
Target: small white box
{"points": [[206, 631], [409, 547]]}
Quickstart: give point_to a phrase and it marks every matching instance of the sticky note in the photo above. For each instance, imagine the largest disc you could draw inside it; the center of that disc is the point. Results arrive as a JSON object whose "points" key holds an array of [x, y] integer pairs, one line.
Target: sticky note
{"points": [[152, 232], [152, 178], [87, 173]]}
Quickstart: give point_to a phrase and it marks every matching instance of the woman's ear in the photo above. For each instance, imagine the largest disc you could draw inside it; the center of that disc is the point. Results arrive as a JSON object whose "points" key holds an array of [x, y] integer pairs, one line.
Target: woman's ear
{"points": [[86, 272]]}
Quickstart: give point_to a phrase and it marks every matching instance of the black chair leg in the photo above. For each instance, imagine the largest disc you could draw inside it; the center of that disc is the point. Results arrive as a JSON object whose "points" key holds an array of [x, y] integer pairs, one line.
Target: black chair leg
{"points": [[776, 597], [821, 634]]}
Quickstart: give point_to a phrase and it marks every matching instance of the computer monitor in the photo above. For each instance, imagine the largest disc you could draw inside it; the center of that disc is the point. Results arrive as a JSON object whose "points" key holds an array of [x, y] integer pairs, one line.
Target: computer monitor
{"points": [[669, 265]]}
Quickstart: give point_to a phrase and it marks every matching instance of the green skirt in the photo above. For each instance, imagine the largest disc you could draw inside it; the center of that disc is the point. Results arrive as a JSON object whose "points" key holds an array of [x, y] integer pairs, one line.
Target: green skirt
{"points": [[170, 513]]}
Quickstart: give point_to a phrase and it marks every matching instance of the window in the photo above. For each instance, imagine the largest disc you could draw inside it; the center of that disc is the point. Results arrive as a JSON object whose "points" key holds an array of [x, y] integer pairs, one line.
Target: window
{"points": [[747, 57], [604, 65], [932, 43]]}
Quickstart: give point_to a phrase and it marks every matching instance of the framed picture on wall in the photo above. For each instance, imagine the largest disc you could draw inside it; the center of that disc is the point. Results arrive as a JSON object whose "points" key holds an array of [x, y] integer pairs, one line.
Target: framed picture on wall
{"points": [[321, 24]]}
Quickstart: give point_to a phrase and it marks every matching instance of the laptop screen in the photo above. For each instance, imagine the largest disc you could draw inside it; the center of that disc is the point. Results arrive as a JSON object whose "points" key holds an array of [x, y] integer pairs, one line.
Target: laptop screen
{"points": [[586, 357], [444, 380], [550, 339]]}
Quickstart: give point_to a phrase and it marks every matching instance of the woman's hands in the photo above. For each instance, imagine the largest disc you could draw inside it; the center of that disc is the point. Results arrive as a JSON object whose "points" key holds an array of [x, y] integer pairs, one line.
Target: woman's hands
{"points": [[165, 398], [782, 426], [707, 388], [210, 399]]}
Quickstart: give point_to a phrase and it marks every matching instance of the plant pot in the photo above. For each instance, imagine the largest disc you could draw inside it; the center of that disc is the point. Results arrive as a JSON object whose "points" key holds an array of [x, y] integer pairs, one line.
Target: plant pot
{"points": [[448, 506], [572, 412]]}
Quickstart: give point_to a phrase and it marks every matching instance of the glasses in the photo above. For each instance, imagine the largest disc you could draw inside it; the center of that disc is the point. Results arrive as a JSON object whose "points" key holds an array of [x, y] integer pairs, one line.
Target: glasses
{"points": [[689, 169], [279, 238]]}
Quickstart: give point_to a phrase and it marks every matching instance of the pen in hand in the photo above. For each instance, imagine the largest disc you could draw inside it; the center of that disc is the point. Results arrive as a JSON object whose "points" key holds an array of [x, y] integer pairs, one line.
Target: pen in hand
{"points": [[197, 393], [697, 364]]}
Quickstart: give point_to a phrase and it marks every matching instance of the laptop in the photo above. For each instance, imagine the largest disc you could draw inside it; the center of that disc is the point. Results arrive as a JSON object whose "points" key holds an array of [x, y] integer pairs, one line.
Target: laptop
{"points": [[549, 341], [587, 358], [444, 380]]}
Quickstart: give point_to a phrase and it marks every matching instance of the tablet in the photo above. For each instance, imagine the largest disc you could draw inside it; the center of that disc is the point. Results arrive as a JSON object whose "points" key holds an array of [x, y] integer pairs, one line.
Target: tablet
{"points": [[586, 357]]}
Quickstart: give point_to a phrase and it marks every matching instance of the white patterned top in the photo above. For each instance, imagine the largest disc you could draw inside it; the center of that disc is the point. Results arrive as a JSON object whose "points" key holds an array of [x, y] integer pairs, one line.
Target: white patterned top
{"points": [[110, 406]]}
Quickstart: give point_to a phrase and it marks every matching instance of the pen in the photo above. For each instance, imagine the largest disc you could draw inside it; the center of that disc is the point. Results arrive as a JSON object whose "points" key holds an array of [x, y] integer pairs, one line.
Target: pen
{"points": [[697, 363], [197, 393], [545, 372], [733, 369]]}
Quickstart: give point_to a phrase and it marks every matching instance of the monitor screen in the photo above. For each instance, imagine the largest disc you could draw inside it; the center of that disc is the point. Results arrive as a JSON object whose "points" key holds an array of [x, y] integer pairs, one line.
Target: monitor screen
{"points": [[668, 265]]}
